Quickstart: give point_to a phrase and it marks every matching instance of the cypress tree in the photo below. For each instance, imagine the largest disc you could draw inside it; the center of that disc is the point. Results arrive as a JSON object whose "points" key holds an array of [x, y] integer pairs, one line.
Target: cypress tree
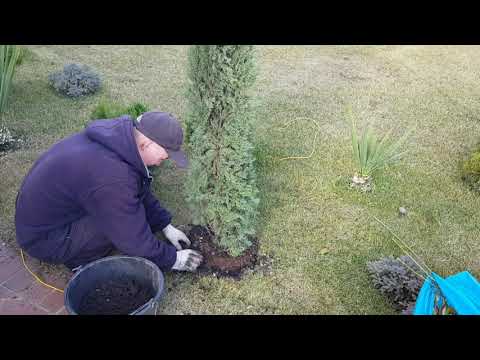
{"points": [[221, 186]]}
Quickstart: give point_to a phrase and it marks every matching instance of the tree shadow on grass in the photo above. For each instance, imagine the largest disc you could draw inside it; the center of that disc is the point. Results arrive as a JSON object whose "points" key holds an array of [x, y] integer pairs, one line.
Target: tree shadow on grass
{"points": [[271, 186]]}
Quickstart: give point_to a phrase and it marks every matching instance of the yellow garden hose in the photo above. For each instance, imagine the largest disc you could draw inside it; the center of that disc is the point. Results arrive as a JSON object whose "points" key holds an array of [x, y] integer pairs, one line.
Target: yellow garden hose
{"points": [[313, 144], [36, 277]]}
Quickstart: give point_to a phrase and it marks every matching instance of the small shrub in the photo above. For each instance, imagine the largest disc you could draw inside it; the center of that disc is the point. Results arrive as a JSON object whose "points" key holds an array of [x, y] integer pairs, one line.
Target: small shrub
{"points": [[7, 140], [396, 281], [136, 109], [109, 110], [471, 171], [75, 80], [409, 309]]}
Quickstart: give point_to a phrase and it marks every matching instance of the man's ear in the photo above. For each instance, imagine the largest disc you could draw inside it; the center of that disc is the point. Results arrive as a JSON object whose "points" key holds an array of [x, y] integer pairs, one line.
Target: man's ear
{"points": [[141, 146]]}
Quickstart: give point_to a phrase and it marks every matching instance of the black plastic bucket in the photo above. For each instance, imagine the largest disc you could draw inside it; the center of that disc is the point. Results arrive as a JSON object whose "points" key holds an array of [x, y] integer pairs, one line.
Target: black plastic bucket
{"points": [[100, 271]]}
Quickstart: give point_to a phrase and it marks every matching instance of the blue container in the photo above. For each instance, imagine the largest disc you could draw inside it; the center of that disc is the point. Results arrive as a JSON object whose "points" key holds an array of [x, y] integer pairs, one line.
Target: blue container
{"points": [[141, 270]]}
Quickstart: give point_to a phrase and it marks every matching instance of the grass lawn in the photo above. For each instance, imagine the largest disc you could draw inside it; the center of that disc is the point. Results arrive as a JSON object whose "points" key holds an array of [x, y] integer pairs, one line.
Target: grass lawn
{"points": [[316, 229]]}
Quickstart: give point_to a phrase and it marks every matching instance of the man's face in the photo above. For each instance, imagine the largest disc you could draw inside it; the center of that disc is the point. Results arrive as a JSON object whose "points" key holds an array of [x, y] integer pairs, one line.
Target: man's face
{"points": [[151, 153]]}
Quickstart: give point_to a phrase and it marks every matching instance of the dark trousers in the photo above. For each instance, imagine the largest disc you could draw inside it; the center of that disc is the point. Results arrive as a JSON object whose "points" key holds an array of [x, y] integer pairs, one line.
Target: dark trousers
{"points": [[75, 244], [93, 245]]}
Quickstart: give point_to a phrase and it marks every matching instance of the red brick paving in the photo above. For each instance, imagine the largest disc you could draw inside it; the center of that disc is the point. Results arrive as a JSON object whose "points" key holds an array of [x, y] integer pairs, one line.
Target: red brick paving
{"points": [[20, 281], [34, 290], [21, 294], [8, 269], [6, 294], [18, 307], [53, 302], [62, 311]]}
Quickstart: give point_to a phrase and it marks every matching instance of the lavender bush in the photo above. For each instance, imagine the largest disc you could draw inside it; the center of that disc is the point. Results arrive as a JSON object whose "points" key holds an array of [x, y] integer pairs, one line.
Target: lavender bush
{"points": [[396, 281], [75, 80]]}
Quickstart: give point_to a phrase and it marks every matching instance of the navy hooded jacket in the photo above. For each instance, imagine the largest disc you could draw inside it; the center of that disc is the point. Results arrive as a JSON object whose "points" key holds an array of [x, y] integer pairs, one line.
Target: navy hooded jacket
{"points": [[97, 172]]}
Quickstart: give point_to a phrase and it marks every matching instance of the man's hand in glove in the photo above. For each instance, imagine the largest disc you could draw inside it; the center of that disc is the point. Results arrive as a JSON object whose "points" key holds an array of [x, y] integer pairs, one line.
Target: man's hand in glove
{"points": [[187, 260], [175, 236]]}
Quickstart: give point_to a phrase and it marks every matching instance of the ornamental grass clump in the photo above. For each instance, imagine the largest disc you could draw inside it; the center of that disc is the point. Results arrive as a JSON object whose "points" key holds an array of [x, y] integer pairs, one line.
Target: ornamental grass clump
{"points": [[372, 154], [9, 55]]}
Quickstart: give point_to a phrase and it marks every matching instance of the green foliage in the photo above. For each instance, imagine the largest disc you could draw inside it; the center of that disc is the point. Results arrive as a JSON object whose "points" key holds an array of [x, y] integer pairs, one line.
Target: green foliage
{"points": [[23, 54], [108, 110], [136, 109], [8, 60], [472, 165], [371, 154], [471, 171], [221, 186]]}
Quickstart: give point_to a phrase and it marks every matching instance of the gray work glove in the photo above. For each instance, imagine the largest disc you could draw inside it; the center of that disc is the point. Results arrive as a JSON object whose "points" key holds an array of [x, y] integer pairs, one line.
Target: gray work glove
{"points": [[175, 236], [187, 260]]}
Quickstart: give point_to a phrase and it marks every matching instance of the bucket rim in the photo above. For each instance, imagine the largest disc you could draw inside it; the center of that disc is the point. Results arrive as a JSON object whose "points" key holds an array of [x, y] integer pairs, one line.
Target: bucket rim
{"points": [[153, 300]]}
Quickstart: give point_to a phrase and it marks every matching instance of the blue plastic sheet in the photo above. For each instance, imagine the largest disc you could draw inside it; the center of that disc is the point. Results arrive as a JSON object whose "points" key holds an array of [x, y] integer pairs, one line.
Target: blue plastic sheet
{"points": [[461, 291]]}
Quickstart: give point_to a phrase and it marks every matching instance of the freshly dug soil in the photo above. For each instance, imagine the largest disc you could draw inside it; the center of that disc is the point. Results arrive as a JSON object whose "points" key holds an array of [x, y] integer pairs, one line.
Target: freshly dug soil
{"points": [[116, 297], [216, 260]]}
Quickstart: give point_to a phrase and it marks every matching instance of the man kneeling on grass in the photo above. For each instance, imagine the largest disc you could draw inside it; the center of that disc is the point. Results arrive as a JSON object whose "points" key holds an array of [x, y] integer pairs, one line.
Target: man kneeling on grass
{"points": [[89, 195]]}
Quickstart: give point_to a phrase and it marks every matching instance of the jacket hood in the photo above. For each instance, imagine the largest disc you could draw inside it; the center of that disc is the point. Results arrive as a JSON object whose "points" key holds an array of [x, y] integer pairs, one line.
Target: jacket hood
{"points": [[117, 136]]}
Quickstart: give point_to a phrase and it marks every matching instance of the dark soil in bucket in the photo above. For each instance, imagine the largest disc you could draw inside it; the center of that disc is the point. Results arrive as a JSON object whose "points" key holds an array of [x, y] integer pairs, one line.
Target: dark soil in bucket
{"points": [[217, 260], [115, 297]]}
